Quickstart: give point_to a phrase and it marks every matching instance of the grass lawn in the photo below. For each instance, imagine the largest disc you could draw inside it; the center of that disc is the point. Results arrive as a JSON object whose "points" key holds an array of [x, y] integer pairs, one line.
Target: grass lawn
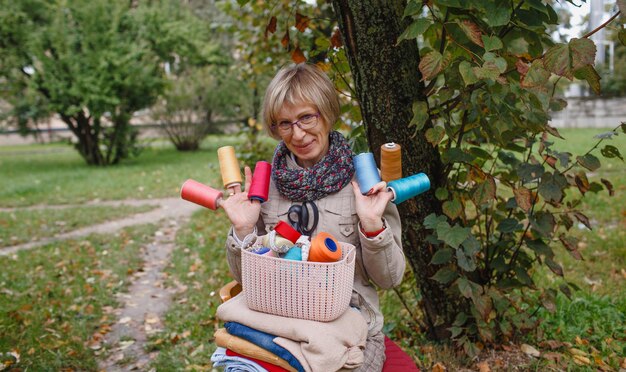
{"points": [[55, 300]]}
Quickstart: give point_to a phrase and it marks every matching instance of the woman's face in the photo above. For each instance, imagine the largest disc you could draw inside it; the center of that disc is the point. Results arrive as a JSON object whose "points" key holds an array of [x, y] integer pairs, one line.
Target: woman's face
{"points": [[308, 146]]}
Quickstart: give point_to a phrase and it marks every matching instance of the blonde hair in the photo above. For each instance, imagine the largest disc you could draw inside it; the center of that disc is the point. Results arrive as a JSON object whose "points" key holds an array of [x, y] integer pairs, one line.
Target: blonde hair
{"points": [[301, 83]]}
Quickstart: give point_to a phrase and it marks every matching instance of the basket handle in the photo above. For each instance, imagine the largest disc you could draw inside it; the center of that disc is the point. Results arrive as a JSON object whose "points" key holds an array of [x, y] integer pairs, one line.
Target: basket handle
{"points": [[351, 256]]}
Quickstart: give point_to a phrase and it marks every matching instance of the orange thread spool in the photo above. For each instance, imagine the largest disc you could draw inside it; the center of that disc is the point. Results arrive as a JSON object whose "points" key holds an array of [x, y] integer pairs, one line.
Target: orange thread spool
{"points": [[324, 248], [390, 161], [229, 167]]}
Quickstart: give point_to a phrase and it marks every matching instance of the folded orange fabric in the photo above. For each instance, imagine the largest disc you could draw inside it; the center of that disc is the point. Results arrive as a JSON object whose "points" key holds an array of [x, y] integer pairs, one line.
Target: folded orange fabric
{"points": [[247, 348]]}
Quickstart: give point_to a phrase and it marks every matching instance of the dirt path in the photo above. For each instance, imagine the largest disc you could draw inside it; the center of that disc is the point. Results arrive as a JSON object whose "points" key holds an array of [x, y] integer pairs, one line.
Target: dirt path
{"points": [[172, 208], [146, 301], [143, 307]]}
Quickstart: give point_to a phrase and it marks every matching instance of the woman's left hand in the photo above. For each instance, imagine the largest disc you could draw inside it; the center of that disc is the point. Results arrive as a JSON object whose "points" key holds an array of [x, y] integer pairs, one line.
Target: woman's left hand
{"points": [[370, 207]]}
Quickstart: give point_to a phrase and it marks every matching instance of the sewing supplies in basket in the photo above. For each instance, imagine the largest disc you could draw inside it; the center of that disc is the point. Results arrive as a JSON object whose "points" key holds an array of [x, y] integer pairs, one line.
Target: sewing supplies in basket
{"points": [[402, 188], [317, 287]]}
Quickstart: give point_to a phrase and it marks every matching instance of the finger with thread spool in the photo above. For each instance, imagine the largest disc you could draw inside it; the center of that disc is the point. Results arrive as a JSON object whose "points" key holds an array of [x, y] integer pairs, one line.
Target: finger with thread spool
{"points": [[366, 172], [390, 161], [408, 187], [229, 167], [200, 194], [260, 184]]}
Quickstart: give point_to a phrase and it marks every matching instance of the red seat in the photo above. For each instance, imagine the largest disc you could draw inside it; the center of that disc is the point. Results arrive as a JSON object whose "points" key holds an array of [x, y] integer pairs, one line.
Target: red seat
{"points": [[397, 360]]}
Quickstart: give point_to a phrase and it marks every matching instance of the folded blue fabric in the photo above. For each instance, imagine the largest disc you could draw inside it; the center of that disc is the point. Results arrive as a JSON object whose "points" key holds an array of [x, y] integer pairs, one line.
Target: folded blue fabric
{"points": [[234, 363], [263, 340]]}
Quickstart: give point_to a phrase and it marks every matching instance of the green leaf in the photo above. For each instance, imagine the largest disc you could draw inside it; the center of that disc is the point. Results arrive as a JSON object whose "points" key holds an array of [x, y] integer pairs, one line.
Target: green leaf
{"points": [[492, 43], [442, 256], [509, 225], [431, 65], [610, 151], [412, 8], [467, 73], [242, 2], [452, 236], [435, 134], [465, 261], [554, 267], [583, 52], [537, 76], [589, 161], [540, 247], [441, 193], [432, 220], [455, 332], [543, 223], [589, 74], [499, 13], [471, 30], [415, 29], [452, 208], [557, 60], [456, 155], [551, 186], [498, 62], [420, 114], [484, 191], [444, 276], [529, 172], [464, 287]]}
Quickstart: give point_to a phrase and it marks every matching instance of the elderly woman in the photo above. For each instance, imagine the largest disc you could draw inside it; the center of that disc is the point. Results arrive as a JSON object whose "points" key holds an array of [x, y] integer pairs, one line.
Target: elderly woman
{"points": [[313, 169]]}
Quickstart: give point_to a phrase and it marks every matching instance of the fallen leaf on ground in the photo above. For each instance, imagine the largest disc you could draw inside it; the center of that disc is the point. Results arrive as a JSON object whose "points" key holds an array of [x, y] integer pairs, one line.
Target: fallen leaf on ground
{"points": [[581, 360], [152, 318], [125, 320], [439, 367], [529, 350], [554, 357], [575, 351], [483, 367]]}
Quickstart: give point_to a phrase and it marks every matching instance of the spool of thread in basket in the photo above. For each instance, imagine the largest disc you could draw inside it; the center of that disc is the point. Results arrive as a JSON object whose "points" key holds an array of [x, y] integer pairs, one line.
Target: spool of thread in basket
{"points": [[366, 172], [229, 167], [283, 229], [408, 187], [260, 184], [324, 248], [294, 254], [390, 161], [279, 244], [200, 194]]}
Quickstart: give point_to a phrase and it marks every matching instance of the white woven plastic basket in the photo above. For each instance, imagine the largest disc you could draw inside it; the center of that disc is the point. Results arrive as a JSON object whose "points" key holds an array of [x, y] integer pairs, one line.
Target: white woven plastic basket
{"points": [[317, 291]]}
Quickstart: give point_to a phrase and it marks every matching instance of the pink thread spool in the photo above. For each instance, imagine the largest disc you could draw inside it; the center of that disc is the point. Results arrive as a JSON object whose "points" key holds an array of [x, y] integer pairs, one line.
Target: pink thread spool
{"points": [[200, 194], [260, 184]]}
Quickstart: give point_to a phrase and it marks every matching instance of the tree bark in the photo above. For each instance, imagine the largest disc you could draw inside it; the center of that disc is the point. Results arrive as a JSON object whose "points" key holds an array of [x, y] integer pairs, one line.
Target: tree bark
{"points": [[387, 81]]}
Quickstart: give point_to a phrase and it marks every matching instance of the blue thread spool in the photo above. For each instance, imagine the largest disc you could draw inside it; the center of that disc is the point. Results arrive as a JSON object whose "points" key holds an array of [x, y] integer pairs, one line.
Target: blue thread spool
{"points": [[366, 171], [261, 250], [294, 253], [408, 187]]}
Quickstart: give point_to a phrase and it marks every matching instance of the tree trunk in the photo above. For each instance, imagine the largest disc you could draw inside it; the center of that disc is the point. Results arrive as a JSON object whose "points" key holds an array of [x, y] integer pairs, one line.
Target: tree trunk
{"points": [[387, 82], [88, 144]]}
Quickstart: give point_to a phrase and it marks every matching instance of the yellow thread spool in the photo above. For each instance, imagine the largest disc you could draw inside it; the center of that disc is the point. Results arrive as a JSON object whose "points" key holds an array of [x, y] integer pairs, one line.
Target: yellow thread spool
{"points": [[390, 161], [229, 167]]}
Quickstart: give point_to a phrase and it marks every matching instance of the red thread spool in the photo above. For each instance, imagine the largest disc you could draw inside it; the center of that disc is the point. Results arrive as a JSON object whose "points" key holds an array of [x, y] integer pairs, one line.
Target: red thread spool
{"points": [[200, 194], [283, 229], [260, 184], [324, 248]]}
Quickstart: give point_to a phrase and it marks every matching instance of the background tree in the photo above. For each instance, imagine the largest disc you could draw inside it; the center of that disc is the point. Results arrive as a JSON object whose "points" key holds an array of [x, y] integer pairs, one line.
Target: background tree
{"points": [[94, 63], [467, 88]]}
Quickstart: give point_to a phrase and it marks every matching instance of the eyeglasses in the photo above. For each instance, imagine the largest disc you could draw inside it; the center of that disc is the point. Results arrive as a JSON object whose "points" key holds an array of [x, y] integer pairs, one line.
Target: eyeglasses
{"points": [[307, 121]]}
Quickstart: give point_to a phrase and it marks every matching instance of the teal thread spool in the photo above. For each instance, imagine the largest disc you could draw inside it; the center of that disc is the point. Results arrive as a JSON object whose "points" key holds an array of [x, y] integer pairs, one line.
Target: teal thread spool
{"points": [[294, 254], [408, 187], [366, 172]]}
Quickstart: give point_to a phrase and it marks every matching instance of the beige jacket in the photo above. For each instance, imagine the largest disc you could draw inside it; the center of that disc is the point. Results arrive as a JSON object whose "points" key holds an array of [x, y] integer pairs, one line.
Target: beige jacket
{"points": [[380, 260]]}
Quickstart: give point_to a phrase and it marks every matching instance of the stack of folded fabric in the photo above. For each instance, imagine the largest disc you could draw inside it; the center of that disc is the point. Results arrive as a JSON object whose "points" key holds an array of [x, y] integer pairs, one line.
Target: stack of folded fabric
{"points": [[239, 345], [255, 341]]}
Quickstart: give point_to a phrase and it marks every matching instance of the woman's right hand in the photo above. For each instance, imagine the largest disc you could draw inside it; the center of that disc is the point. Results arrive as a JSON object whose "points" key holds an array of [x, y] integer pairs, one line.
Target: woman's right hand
{"points": [[242, 212]]}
